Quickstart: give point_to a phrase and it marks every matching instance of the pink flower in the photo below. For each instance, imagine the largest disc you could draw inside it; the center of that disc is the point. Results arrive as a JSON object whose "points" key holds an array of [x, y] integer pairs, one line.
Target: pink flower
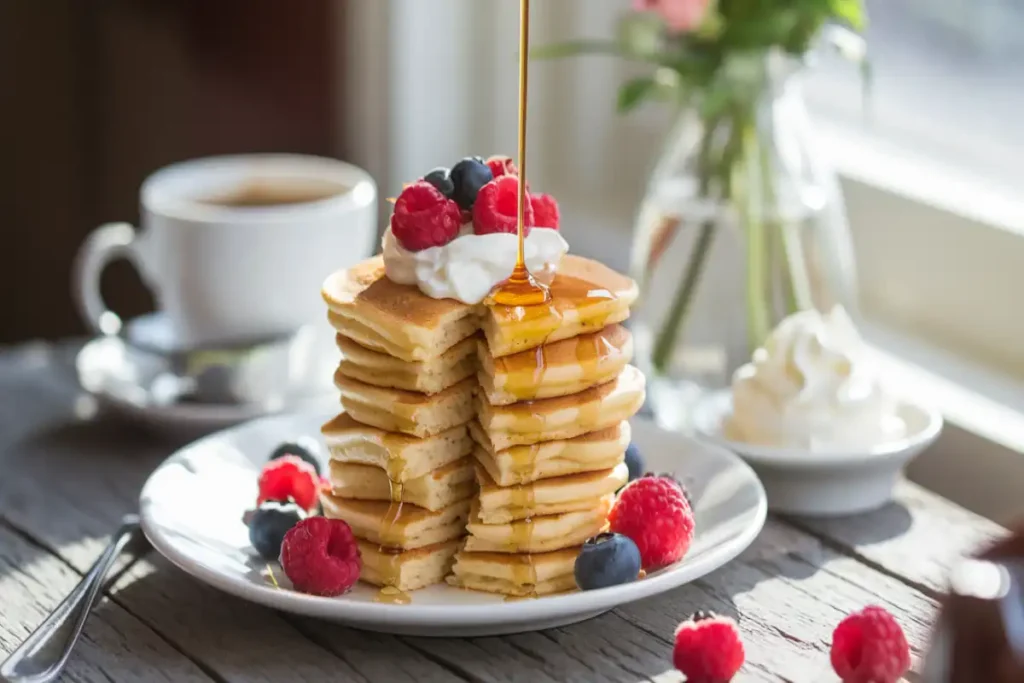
{"points": [[680, 15]]}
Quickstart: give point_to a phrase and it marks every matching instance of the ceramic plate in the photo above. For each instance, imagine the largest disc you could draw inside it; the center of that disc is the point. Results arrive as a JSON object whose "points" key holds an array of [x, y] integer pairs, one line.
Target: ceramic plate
{"points": [[210, 541]]}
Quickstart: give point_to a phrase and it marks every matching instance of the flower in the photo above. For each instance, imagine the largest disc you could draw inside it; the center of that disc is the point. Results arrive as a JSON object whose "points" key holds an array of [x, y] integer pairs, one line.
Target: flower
{"points": [[680, 15]]}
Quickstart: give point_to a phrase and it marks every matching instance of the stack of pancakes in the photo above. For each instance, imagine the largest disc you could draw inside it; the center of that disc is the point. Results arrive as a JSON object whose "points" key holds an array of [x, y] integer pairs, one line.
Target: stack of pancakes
{"points": [[528, 405]]}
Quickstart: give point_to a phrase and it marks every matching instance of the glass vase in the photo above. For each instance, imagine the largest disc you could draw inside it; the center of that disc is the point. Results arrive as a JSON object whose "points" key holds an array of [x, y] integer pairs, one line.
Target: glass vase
{"points": [[742, 224]]}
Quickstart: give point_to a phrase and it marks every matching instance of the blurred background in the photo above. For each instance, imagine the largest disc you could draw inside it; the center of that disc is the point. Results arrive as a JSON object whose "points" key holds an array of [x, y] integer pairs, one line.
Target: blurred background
{"points": [[97, 94]]}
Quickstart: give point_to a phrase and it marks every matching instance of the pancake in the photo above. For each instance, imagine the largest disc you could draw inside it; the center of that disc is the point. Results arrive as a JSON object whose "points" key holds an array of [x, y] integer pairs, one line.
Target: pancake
{"points": [[412, 527], [434, 491], [408, 412], [406, 570], [517, 575], [571, 493], [557, 369], [585, 296], [540, 534], [399, 320], [428, 377], [565, 417], [598, 450], [404, 457]]}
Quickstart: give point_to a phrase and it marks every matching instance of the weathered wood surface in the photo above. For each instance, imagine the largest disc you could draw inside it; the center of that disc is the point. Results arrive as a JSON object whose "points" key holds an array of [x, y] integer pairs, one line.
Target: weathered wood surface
{"points": [[66, 478]]}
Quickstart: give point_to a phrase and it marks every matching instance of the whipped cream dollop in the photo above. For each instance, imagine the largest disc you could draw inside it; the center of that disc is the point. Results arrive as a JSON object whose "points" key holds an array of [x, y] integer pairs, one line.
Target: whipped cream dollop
{"points": [[813, 386], [469, 267]]}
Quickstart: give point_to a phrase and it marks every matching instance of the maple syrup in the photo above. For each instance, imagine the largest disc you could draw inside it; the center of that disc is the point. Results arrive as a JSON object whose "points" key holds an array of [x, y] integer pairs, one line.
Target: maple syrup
{"points": [[521, 288], [393, 596], [522, 535], [391, 517]]}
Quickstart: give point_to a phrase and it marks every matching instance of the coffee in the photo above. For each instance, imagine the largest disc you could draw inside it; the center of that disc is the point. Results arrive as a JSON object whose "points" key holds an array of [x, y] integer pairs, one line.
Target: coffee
{"points": [[268, 193]]}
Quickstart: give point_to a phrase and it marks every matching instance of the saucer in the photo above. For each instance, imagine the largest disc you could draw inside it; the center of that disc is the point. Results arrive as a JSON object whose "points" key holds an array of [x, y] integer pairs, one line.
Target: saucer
{"points": [[823, 483], [212, 543], [196, 393]]}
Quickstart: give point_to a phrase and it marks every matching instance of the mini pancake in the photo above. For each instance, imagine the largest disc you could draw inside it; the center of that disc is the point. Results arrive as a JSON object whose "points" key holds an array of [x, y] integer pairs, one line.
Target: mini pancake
{"points": [[433, 491], [540, 534], [428, 376], [516, 575], [571, 493], [412, 527], [409, 412], [406, 570]]}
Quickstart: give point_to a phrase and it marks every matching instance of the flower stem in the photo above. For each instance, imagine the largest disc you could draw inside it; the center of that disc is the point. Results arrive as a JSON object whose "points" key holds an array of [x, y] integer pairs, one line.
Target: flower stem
{"points": [[751, 207]]}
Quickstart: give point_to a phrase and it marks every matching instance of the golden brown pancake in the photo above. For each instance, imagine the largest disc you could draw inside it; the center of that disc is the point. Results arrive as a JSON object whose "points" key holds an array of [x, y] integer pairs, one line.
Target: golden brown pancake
{"points": [[563, 417], [404, 457], [408, 412], [403, 526], [433, 491], [571, 493], [539, 534], [517, 575], [427, 377], [406, 570], [598, 450], [558, 369]]}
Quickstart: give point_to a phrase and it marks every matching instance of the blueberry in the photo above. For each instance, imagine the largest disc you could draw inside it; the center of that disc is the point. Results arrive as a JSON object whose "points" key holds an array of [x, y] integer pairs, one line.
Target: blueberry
{"points": [[270, 523], [469, 175], [441, 179], [634, 461], [304, 447], [607, 560]]}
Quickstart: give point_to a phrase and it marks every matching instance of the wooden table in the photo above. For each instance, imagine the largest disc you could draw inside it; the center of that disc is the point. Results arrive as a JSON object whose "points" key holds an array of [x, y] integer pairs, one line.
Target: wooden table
{"points": [[67, 476]]}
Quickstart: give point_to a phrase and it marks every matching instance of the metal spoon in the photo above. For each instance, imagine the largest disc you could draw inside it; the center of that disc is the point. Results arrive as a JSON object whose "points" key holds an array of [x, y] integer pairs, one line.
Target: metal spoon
{"points": [[43, 655]]}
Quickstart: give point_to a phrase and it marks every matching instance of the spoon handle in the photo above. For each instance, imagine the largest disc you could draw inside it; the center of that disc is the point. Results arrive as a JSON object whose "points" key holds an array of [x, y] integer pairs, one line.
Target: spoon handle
{"points": [[43, 655]]}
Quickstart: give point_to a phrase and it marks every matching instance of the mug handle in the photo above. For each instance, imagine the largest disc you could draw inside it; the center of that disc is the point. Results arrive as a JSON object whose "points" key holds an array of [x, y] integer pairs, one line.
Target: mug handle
{"points": [[106, 243]]}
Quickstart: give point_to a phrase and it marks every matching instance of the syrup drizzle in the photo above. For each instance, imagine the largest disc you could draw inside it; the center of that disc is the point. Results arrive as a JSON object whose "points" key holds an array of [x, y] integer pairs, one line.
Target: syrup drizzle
{"points": [[388, 548], [521, 289]]}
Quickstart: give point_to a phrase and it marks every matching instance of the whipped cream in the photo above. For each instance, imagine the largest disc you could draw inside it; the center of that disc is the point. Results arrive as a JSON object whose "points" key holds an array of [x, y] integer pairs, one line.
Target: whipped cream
{"points": [[813, 386], [469, 267]]}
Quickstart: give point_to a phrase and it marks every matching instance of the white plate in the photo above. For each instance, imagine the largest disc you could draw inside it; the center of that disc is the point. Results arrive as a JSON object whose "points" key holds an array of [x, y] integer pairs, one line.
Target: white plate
{"points": [[193, 503], [823, 483]]}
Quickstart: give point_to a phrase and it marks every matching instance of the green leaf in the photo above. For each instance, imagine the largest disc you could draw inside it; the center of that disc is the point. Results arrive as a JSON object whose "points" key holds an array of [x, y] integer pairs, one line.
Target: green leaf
{"points": [[571, 48], [634, 92], [849, 11]]}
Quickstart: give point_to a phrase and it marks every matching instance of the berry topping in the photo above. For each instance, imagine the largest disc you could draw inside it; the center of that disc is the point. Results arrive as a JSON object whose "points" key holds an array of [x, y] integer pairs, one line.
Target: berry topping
{"points": [[501, 165], [870, 647], [306, 448], [497, 207], [708, 649], [607, 560], [321, 557], [469, 176], [441, 179], [289, 477], [424, 217], [654, 513], [634, 461], [545, 211], [269, 523]]}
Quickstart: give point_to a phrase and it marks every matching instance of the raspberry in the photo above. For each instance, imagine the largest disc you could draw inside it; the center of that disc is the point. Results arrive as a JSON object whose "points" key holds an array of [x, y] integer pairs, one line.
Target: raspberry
{"points": [[320, 556], [289, 477], [424, 217], [708, 649], [501, 165], [869, 647], [653, 512], [497, 206], [545, 211]]}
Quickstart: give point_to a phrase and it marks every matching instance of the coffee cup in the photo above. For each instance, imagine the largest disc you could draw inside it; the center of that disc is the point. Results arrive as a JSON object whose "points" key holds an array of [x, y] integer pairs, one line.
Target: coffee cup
{"points": [[235, 248]]}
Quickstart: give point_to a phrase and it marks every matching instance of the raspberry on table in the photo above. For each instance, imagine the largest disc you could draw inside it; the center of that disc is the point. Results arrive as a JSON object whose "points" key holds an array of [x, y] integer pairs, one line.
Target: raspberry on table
{"points": [[545, 211], [497, 208], [424, 217], [320, 556], [870, 647], [654, 512], [289, 477], [708, 648], [502, 165]]}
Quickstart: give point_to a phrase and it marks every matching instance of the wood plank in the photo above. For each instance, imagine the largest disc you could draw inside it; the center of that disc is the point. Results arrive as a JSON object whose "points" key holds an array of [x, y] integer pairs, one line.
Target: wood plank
{"points": [[67, 482], [916, 538], [114, 646]]}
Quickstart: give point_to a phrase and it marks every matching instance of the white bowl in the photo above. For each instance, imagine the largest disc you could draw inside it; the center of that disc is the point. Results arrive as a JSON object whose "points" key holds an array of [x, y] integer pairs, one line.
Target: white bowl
{"points": [[820, 483]]}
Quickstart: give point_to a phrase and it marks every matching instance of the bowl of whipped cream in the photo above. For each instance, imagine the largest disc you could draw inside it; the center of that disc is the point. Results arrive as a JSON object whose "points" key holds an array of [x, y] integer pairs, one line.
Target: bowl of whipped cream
{"points": [[811, 414]]}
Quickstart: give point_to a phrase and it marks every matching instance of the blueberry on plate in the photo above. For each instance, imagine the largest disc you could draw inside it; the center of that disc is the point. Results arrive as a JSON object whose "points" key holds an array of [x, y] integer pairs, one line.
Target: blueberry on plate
{"points": [[269, 523], [607, 560], [634, 461], [469, 175], [441, 179], [305, 448]]}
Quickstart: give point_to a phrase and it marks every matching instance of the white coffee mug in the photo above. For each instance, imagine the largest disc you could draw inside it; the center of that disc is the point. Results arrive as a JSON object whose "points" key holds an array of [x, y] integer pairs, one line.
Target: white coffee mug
{"points": [[236, 248]]}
